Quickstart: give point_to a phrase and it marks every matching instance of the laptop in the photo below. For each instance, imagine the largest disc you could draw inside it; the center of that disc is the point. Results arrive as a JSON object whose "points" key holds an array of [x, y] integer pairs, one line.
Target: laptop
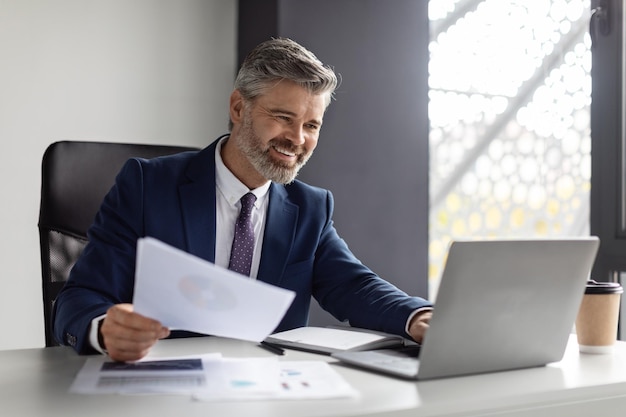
{"points": [[501, 305]]}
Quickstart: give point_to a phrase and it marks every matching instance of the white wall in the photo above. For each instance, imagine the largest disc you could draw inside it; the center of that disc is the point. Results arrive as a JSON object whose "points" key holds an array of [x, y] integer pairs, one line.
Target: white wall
{"points": [[112, 70]]}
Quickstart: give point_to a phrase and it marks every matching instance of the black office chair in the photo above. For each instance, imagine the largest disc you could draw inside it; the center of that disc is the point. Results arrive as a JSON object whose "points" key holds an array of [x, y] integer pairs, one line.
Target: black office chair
{"points": [[75, 177]]}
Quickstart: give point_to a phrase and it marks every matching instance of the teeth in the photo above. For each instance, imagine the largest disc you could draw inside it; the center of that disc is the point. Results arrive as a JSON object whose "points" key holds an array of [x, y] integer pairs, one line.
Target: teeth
{"points": [[284, 152]]}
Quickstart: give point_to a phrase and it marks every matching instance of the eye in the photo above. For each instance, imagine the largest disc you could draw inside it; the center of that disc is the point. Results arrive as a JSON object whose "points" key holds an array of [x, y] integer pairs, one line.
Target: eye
{"points": [[311, 126], [283, 118]]}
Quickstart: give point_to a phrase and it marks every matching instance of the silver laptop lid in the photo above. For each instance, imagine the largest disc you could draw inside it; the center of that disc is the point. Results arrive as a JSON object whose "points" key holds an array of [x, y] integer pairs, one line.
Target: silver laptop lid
{"points": [[505, 304]]}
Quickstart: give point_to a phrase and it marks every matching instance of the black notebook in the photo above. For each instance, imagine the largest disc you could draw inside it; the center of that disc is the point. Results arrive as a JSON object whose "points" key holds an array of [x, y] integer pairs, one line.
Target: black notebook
{"points": [[331, 339]]}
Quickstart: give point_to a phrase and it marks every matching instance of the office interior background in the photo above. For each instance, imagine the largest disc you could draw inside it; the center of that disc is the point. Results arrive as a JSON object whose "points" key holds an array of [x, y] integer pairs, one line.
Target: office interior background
{"points": [[472, 117]]}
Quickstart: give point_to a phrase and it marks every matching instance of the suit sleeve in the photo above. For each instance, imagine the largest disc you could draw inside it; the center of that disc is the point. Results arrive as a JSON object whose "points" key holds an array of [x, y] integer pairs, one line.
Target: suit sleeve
{"points": [[351, 291]]}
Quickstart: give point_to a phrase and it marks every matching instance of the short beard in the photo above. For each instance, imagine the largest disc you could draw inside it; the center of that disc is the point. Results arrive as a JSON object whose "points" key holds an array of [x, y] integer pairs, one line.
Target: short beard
{"points": [[259, 156]]}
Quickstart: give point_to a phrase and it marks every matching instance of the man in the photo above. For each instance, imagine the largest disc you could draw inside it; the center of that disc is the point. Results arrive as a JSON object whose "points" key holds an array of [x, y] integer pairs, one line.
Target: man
{"points": [[192, 200]]}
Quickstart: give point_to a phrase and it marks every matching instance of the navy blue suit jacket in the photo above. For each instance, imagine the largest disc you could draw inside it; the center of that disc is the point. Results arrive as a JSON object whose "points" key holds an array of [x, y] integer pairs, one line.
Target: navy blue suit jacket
{"points": [[172, 199]]}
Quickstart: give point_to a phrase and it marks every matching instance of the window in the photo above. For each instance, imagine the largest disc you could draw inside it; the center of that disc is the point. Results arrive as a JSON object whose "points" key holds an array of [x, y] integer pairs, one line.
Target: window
{"points": [[510, 147]]}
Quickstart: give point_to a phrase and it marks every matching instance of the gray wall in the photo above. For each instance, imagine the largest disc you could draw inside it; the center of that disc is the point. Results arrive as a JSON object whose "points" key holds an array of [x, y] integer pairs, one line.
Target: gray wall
{"points": [[116, 70], [373, 149]]}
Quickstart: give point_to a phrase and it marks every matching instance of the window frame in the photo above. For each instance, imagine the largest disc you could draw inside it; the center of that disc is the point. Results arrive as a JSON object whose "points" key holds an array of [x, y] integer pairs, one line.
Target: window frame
{"points": [[608, 184]]}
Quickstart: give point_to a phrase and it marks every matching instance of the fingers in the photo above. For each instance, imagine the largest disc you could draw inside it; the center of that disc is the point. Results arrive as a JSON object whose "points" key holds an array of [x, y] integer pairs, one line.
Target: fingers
{"points": [[128, 336], [419, 325]]}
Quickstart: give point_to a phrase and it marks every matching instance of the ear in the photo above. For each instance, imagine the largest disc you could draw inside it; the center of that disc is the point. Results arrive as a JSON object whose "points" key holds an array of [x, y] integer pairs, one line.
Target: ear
{"points": [[236, 106]]}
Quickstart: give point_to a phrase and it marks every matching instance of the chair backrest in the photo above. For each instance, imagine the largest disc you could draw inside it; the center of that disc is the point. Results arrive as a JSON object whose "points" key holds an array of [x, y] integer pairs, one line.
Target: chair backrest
{"points": [[75, 177]]}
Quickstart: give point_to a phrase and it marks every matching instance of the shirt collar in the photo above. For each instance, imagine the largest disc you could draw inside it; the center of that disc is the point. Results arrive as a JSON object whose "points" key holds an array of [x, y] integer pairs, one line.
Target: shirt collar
{"points": [[231, 188]]}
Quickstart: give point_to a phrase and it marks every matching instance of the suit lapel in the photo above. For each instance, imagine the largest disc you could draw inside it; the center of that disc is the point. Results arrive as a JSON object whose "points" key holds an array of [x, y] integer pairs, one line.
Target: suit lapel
{"points": [[280, 226], [197, 199]]}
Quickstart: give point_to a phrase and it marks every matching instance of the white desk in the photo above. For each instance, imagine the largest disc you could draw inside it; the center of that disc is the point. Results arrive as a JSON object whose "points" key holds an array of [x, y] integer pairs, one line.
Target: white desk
{"points": [[35, 382]]}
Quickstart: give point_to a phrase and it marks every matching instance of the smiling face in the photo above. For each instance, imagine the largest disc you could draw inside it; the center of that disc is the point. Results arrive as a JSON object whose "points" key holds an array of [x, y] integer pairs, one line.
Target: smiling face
{"points": [[273, 135]]}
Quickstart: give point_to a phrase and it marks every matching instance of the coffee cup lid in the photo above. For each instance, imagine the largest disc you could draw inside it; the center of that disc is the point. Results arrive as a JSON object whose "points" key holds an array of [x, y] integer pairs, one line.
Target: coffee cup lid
{"points": [[595, 287]]}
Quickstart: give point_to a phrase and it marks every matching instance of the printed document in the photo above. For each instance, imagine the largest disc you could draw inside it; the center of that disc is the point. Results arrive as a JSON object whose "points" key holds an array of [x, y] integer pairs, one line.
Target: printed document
{"points": [[295, 380], [185, 292], [100, 375], [211, 377]]}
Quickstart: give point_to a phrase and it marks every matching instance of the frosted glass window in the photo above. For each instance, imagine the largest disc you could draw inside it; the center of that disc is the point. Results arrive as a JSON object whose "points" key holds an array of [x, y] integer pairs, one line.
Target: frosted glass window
{"points": [[510, 96]]}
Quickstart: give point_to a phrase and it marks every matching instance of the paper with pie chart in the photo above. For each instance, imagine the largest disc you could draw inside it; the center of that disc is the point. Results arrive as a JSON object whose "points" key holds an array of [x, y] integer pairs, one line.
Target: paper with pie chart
{"points": [[185, 292]]}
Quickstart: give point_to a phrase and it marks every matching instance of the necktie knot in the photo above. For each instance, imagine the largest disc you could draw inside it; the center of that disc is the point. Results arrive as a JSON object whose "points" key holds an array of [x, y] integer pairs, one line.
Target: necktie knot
{"points": [[247, 203]]}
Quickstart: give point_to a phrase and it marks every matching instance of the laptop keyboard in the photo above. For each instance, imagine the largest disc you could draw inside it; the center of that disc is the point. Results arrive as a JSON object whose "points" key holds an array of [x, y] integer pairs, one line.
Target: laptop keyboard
{"points": [[401, 362], [403, 365], [412, 351]]}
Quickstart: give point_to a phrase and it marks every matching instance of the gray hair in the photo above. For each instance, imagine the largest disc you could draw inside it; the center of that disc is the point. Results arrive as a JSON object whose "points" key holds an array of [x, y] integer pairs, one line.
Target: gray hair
{"points": [[283, 59]]}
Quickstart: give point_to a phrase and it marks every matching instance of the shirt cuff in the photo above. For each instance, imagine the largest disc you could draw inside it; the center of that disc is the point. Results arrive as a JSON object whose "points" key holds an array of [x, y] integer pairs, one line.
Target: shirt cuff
{"points": [[93, 334], [408, 321]]}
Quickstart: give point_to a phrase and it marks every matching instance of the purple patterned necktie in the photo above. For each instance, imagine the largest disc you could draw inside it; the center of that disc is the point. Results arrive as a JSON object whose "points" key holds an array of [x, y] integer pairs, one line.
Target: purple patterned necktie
{"points": [[243, 242]]}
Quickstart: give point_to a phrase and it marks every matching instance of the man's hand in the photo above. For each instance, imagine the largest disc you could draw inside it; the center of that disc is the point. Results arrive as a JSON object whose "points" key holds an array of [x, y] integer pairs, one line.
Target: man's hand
{"points": [[128, 336], [419, 324]]}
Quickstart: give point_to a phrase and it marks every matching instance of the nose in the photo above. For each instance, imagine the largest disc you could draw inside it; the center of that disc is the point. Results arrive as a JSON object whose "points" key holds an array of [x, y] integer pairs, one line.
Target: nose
{"points": [[296, 134]]}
